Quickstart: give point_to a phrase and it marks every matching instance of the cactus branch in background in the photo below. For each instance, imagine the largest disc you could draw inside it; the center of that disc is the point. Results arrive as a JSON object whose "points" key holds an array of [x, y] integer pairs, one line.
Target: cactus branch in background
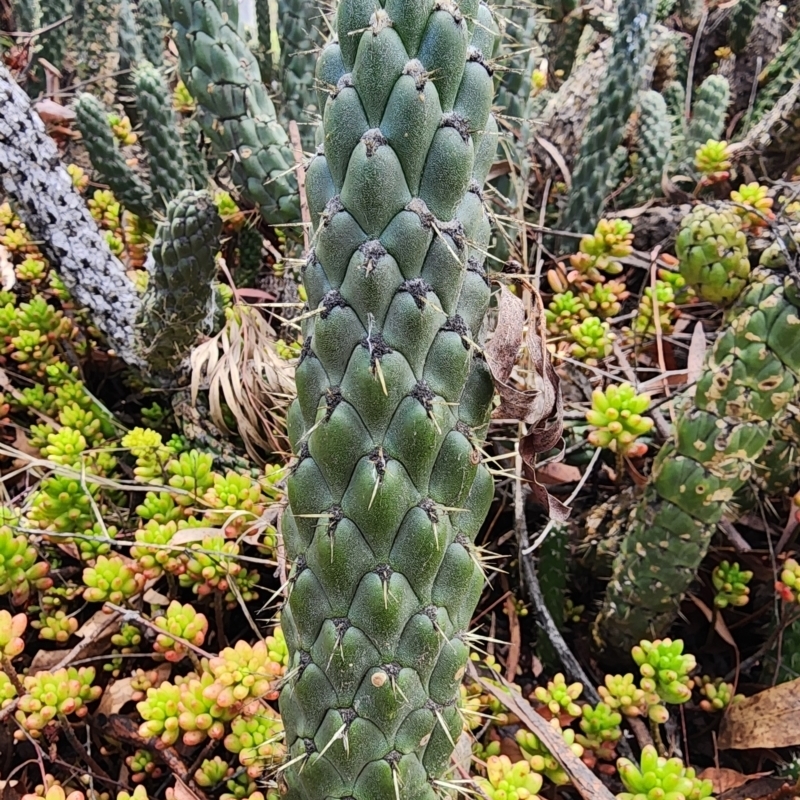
{"points": [[709, 109], [196, 165], [750, 374], [162, 139], [27, 15], [604, 131], [299, 26], [152, 29], [91, 117], [233, 106], [98, 37], [130, 45], [178, 303], [388, 493], [652, 143], [57, 217]]}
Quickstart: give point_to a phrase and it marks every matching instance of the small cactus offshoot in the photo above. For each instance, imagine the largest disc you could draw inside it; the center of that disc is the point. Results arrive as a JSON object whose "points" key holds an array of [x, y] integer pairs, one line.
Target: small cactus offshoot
{"points": [[730, 582], [657, 778], [616, 416]]}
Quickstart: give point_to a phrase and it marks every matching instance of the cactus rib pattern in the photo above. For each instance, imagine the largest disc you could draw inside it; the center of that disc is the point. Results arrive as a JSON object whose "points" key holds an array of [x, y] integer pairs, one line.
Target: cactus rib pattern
{"points": [[387, 492]]}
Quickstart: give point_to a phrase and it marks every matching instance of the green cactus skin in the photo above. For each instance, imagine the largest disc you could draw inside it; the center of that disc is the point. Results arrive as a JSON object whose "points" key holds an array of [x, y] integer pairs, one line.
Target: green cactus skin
{"points": [[196, 165], [233, 106], [130, 45], [750, 374], [709, 109], [387, 493], [299, 24], [779, 76], [162, 140], [178, 303], [98, 37], [51, 46], [742, 18], [27, 15], [91, 118], [152, 29], [607, 121], [264, 34], [653, 144]]}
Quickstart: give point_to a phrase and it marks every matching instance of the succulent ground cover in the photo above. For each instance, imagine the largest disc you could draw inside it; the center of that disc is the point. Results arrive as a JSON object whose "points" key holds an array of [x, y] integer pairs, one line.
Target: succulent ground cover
{"points": [[399, 400]]}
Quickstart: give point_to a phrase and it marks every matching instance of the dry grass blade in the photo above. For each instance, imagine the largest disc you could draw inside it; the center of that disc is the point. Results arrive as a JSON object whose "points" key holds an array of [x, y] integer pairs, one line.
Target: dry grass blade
{"points": [[241, 370]]}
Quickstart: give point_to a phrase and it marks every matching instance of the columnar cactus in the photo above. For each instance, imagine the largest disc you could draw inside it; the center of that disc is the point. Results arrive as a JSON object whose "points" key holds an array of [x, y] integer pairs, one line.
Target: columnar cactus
{"points": [[233, 106], [152, 29], [606, 126], [750, 374], [178, 304], [162, 140], [652, 144], [107, 158], [387, 492], [97, 32], [709, 109]]}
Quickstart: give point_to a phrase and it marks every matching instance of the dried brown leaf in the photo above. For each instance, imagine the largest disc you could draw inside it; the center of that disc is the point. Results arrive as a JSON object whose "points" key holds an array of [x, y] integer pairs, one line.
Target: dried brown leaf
{"points": [[242, 370], [556, 473], [768, 719], [115, 695], [719, 623], [541, 405], [52, 112], [183, 792], [726, 779]]}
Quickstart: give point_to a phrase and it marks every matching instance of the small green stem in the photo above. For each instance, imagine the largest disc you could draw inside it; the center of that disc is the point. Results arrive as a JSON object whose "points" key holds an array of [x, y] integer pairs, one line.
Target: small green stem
{"points": [[655, 730]]}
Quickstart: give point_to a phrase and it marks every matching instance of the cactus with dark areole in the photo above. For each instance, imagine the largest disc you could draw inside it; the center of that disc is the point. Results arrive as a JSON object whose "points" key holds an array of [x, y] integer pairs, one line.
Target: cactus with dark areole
{"points": [[162, 140], [152, 28], [233, 106], [387, 492], [616, 102], [107, 159], [179, 302], [749, 376]]}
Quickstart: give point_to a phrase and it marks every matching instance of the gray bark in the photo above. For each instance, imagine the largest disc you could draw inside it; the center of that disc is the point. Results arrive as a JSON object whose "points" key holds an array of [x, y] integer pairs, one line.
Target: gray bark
{"points": [[32, 175]]}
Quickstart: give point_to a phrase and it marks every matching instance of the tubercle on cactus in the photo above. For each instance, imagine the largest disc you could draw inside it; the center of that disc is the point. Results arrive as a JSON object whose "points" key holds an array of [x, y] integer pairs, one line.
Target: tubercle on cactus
{"points": [[719, 435], [387, 491]]}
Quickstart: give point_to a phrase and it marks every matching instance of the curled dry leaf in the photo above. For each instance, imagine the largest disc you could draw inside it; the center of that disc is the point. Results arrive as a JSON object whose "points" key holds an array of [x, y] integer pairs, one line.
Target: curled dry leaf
{"points": [[726, 779], [768, 719], [539, 404], [53, 113], [241, 367]]}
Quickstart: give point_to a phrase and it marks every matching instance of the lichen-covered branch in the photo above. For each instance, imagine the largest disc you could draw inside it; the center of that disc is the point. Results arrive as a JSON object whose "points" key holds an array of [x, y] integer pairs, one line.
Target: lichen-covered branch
{"points": [[33, 177]]}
